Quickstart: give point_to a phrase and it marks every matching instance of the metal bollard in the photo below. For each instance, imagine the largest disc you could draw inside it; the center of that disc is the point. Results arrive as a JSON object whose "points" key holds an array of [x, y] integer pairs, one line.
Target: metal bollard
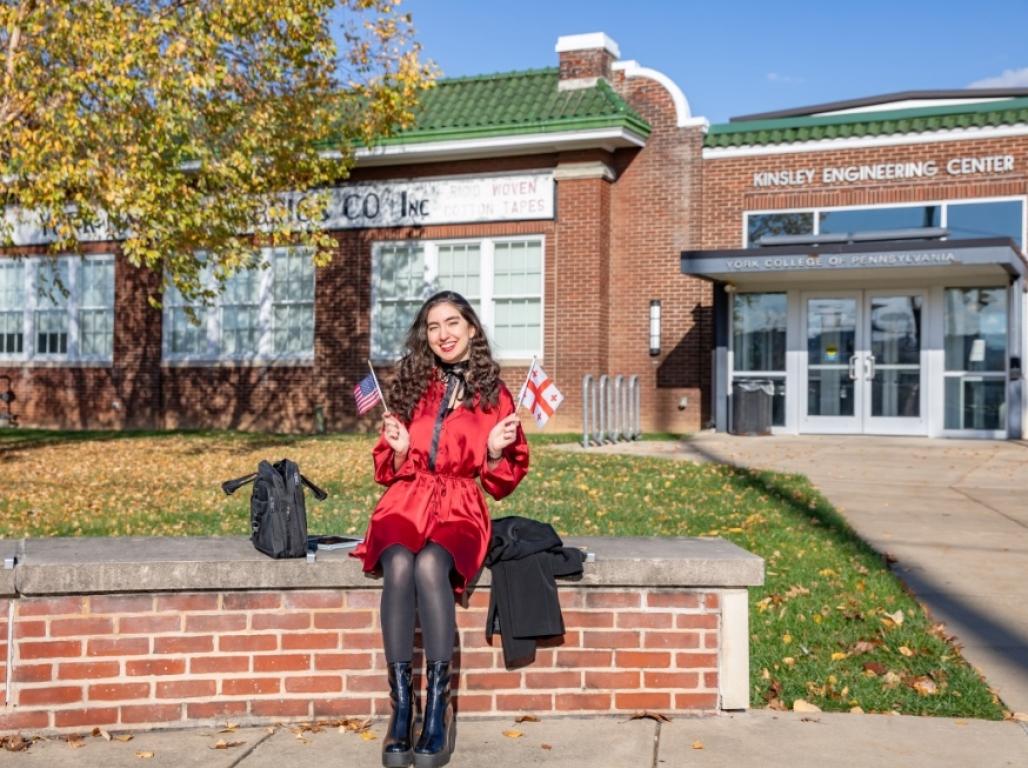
{"points": [[587, 387], [601, 422]]}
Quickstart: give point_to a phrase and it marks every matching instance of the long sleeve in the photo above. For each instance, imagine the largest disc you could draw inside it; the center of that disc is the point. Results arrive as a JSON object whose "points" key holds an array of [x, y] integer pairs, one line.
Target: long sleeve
{"points": [[512, 467], [385, 474]]}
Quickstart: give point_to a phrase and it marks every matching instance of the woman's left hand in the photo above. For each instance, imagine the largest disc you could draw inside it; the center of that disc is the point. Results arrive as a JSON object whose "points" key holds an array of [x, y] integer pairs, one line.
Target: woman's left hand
{"points": [[503, 434]]}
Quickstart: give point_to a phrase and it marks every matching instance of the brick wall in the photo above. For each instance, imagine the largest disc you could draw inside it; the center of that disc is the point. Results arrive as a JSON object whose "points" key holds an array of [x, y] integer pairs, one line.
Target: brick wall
{"points": [[148, 660], [4, 650]]}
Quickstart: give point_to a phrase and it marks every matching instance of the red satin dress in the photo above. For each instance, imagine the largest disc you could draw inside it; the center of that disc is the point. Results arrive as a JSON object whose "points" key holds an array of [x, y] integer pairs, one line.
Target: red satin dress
{"points": [[445, 505]]}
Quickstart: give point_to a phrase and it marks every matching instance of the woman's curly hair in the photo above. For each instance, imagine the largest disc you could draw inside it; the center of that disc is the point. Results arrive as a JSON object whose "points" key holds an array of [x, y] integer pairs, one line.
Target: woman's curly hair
{"points": [[418, 368]]}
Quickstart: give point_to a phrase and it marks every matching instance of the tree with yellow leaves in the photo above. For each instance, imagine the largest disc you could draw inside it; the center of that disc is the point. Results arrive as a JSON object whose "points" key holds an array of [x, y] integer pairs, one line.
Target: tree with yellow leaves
{"points": [[177, 126]]}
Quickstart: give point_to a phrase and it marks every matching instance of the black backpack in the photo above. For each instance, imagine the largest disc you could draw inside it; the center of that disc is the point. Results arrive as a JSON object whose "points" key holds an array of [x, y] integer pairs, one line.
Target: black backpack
{"points": [[278, 516]]}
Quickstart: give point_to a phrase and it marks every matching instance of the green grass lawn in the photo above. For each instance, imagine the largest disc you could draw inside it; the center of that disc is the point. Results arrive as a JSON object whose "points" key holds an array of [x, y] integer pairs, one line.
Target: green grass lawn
{"points": [[832, 625]]}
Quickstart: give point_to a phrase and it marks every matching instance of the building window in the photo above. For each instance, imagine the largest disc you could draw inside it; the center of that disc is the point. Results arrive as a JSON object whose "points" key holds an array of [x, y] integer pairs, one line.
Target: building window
{"points": [[760, 225], [975, 343], [501, 278], [265, 313], [993, 219], [59, 309], [758, 343]]}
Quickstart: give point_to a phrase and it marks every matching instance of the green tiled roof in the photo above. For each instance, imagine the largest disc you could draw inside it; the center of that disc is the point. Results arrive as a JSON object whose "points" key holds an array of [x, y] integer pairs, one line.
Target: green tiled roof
{"points": [[867, 124], [513, 103]]}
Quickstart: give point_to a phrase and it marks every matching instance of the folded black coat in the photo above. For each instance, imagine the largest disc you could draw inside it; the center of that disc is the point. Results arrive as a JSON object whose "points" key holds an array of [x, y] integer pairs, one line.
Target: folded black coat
{"points": [[525, 556]]}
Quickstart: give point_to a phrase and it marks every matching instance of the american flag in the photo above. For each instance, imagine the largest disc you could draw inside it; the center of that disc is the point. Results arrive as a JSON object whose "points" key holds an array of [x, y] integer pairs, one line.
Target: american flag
{"points": [[366, 394], [540, 395]]}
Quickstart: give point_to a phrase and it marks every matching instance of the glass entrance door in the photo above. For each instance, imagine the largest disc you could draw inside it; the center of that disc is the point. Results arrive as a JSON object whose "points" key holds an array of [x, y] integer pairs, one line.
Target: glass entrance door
{"points": [[864, 364]]}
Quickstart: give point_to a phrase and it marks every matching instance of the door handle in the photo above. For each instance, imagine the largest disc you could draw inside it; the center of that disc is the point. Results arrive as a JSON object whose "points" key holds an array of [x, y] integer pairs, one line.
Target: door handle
{"points": [[853, 367], [869, 368]]}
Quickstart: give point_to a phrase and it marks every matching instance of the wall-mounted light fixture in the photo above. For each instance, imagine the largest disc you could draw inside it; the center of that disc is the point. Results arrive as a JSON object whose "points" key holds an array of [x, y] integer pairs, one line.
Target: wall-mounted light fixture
{"points": [[654, 327]]}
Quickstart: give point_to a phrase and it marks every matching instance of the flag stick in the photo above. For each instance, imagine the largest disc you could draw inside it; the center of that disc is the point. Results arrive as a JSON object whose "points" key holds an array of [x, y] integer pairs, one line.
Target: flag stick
{"points": [[380, 395], [521, 394]]}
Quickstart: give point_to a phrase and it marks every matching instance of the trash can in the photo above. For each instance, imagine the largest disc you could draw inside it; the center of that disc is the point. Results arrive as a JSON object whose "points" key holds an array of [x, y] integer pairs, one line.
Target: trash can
{"points": [[751, 406]]}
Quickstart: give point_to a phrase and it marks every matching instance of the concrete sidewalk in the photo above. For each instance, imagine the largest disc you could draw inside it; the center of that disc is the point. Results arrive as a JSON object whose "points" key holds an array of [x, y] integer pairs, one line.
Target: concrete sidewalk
{"points": [[761, 739], [954, 514]]}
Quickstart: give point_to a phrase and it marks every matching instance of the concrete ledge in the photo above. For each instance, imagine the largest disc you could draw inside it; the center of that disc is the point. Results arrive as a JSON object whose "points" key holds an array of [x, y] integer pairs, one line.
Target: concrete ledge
{"points": [[63, 566]]}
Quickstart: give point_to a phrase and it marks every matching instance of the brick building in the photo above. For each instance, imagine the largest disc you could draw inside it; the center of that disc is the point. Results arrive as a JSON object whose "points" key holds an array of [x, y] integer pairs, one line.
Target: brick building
{"points": [[566, 203]]}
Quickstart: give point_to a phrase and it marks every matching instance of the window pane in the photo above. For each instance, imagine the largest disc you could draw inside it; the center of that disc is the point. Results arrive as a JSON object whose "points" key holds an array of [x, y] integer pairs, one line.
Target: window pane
{"points": [[12, 284], [12, 335], [400, 290], [294, 329], [96, 332], [975, 403], [896, 330], [975, 321], [759, 225], [51, 332], [460, 269], [517, 268], [758, 331], [294, 275], [970, 220], [517, 325], [877, 219], [97, 283], [48, 292], [186, 338]]}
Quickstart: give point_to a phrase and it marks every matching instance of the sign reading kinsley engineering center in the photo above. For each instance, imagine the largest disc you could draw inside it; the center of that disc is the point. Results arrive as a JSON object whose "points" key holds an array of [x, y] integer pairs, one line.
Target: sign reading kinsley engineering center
{"points": [[404, 203], [830, 175]]}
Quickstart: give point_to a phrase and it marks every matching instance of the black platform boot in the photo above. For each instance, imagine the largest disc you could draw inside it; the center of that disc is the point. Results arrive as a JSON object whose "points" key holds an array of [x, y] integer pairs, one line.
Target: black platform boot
{"points": [[439, 732], [396, 748]]}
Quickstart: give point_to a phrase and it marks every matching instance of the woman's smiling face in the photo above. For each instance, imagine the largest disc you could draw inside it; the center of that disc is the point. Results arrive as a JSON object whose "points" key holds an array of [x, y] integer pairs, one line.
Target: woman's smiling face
{"points": [[449, 334]]}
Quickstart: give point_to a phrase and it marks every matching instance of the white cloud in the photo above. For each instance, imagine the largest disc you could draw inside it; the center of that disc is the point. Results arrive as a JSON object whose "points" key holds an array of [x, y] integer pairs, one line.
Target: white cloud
{"points": [[1011, 78], [777, 77]]}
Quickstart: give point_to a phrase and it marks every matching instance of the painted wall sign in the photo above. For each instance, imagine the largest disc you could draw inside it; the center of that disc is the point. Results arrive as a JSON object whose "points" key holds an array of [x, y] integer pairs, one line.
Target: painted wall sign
{"points": [[853, 174], [403, 203]]}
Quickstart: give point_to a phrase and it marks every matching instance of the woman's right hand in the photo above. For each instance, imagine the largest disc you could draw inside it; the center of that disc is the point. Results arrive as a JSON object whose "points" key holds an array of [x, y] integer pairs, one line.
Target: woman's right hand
{"points": [[395, 433]]}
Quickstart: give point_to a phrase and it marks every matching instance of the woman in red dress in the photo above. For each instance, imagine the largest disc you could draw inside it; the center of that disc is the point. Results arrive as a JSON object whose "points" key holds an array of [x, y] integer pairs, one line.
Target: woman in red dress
{"points": [[453, 422]]}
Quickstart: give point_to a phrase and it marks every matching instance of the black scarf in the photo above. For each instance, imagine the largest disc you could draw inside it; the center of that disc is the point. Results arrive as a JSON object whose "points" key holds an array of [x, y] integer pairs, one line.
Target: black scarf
{"points": [[454, 374]]}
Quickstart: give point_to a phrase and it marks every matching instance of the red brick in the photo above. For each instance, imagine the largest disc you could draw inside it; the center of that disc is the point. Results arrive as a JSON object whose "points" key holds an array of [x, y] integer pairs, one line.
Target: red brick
{"points": [[672, 679], [16, 721], [151, 713], [486, 659], [238, 643], [89, 670], [686, 600], [186, 689], [468, 639], [312, 640], [60, 694], [362, 640], [492, 681], [48, 606], [343, 620], [671, 640], [85, 718], [469, 702], [183, 603], [694, 660], [589, 618], [613, 599], [710, 679], [155, 667], [710, 640], [475, 619], [329, 599], [214, 709], [601, 639], [524, 702], [129, 646], [479, 599], [53, 649], [119, 691], [121, 603], [375, 683], [695, 701], [342, 707], [79, 627], [367, 598], [573, 701], [342, 661], [645, 620], [319, 684], [28, 629], [697, 621], [712, 601], [31, 673], [642, 700], [281, 621], [204, 665], [248, 686], [643, 659], [611, 680], [281, 708], [584, 658], [186, 644], [553, 679], [226, 622], [281, 662], [252, 601], [149, 625]]}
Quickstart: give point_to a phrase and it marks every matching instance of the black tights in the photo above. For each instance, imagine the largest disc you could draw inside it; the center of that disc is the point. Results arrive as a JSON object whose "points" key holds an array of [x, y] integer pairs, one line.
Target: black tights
{"points": [[420, 582]]}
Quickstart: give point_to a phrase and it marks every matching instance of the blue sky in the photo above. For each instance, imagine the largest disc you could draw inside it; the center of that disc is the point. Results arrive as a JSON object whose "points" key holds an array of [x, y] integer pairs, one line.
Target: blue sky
{"points": [[734, 58]]}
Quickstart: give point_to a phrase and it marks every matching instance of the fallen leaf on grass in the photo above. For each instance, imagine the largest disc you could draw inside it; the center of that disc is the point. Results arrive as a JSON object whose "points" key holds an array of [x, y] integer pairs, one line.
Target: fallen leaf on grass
{"points": [[856, 711], [651, 716], [905, 651], [222, 744], [802, 705], [513, 734], [874, 668], [526, 719], [864, 646], [893, 619], [789, 661], [145, 755], [891, 680], [839, 656], [924, 685], [697, 744]]}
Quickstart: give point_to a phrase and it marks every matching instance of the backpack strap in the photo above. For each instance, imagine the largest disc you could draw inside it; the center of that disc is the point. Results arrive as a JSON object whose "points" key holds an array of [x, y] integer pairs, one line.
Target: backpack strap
{"points": [[319, 494], [231, 486]]}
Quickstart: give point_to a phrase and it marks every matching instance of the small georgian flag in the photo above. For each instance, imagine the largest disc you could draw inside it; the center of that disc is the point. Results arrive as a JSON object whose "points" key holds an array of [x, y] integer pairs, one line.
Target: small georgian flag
{"points": [[540, 395]]}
